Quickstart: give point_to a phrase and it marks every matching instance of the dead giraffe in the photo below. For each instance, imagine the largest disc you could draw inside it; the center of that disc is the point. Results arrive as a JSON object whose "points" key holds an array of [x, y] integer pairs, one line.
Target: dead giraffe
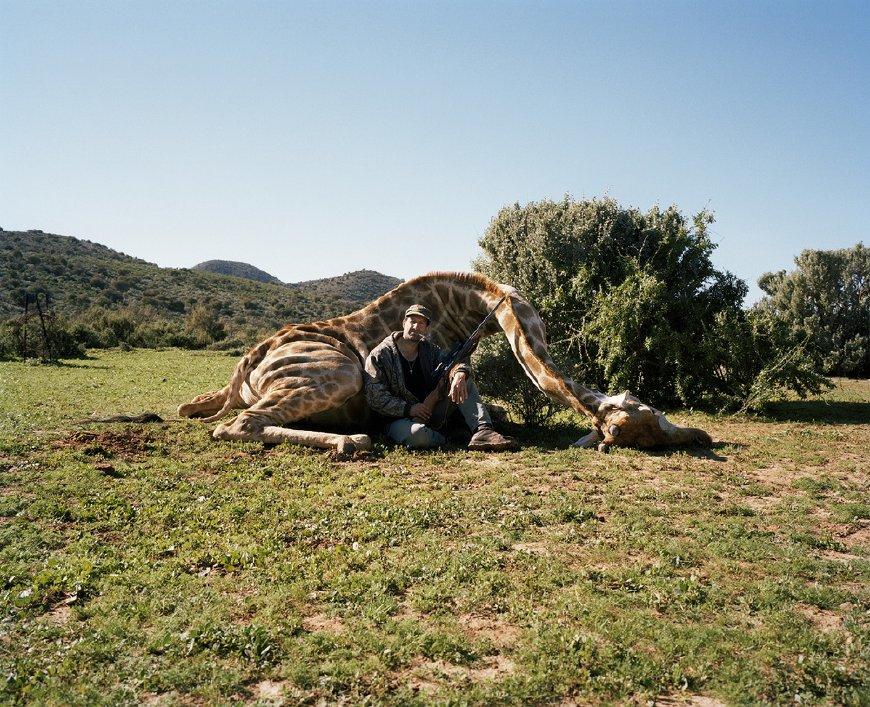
{"points": [[314, 372]]}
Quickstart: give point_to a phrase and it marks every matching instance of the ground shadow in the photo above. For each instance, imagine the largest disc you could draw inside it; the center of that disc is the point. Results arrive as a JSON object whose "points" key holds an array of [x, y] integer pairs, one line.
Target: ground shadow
{"points": [[843, 413], [697, 451], [70, 364], [560, 436], [550, 438]]}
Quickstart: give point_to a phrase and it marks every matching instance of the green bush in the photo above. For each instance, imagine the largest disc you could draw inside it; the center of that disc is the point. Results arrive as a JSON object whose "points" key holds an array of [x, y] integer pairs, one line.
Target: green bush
{"points": [[825, 302], [633, 301], [203, 325], [499, 374], [8, 342], [59, 342]]}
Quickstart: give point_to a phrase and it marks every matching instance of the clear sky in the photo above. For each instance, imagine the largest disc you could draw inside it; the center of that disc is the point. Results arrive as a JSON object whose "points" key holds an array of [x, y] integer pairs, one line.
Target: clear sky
{"points": [[316, 138]]}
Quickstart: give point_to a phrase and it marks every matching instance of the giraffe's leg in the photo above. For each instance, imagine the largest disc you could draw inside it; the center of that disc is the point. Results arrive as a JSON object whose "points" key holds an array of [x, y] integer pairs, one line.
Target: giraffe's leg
{"points": [[590, 440], [261, 422], [205, 404]]}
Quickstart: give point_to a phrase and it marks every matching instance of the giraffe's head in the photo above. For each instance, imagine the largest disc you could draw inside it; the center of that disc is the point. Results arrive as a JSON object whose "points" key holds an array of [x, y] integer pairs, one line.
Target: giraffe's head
{"points": [[625, 421]]}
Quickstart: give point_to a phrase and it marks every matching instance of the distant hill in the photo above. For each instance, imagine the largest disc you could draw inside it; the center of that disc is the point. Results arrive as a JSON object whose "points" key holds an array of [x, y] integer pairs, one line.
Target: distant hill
{"points": [[356, 286], [236, 269], [84, 278]]}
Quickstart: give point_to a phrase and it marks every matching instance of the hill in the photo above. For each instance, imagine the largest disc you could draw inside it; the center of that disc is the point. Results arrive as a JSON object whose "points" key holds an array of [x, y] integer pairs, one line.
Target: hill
{"points": [[87, 282], [356, 286], [236, 269]]}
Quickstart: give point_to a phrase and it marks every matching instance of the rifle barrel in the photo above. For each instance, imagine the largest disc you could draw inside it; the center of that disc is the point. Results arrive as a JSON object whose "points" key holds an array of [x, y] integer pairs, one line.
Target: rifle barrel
{"points": [[471, 342]]}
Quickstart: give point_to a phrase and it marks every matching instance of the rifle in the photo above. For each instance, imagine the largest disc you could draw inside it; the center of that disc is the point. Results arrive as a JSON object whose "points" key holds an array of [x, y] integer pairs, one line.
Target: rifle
{"points": [[455, 354]]}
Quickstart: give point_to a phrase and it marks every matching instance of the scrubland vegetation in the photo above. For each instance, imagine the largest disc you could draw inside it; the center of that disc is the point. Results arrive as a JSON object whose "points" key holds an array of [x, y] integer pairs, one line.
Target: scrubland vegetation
{"points": [[101, 298], [145, 563], [633, 300]]}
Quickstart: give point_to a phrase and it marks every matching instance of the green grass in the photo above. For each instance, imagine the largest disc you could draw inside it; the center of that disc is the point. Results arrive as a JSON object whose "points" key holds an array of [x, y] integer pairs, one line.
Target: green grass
{"points": [[147, 563]]}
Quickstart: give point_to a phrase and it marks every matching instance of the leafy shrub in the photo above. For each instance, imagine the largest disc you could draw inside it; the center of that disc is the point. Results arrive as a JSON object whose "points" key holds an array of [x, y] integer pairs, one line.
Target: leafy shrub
{"points": [[499, 374], [825, 302], [203, 325], [632, 301], [59, 340], [8, 342]]}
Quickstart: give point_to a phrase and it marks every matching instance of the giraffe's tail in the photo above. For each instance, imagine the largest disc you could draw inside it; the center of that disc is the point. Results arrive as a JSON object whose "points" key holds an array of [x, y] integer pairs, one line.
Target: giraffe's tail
{"points": [[205, 404]]}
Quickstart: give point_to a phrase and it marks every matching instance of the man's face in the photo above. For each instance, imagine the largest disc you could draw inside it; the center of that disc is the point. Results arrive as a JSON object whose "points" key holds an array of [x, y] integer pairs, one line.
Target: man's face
{"points": [[415, 327]]}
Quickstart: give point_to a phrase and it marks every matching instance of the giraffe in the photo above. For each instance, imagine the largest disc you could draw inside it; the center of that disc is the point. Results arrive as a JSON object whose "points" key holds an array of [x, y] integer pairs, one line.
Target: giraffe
{"points": [[311, 375]]}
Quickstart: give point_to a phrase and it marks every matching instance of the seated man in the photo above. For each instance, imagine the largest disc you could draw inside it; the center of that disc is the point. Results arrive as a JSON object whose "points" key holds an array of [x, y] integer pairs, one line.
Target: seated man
{"points": [[399, 376]]}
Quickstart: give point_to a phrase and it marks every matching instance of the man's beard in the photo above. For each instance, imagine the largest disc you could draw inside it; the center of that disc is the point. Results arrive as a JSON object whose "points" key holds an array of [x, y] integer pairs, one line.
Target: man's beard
{"points": [[415, 336]]}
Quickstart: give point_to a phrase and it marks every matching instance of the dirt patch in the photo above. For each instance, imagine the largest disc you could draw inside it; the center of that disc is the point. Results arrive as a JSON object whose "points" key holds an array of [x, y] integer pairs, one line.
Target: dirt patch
{"points": [[822, 619], [169, 698], [500, 633], [492, 668], [59, 615], [695, 700], [775, 477], [128, 444], [533, 548], [858, 538], [838, 556], [324, 623], [759, 504], [429, 675], [272, 692]]}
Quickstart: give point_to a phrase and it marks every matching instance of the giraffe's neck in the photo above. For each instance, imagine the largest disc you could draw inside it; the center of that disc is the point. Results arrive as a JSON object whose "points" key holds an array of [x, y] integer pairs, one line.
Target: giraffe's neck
{"points": [[459, 301], [525, 332]]}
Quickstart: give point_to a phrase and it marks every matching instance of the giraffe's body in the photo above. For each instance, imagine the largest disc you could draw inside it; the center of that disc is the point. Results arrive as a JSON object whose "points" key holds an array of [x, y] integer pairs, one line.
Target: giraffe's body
{"points": [[313, 373]]}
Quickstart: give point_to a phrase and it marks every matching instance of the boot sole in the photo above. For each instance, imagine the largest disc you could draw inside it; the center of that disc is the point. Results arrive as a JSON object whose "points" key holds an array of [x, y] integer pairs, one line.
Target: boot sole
{"points": [[503, 447]]}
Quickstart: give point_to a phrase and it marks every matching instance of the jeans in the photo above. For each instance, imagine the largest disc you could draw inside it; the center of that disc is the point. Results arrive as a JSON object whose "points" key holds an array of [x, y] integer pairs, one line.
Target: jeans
{"points": [[416, 435]]}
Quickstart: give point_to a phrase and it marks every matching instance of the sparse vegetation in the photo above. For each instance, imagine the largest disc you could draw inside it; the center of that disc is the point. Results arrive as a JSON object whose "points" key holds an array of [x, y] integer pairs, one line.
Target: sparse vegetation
{"points": [[146, 563], [104, 298], [825, 303]]}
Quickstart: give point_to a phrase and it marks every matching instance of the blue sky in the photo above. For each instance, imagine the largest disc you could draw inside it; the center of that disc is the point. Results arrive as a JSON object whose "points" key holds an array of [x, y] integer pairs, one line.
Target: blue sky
{"points": [[311, 139]]}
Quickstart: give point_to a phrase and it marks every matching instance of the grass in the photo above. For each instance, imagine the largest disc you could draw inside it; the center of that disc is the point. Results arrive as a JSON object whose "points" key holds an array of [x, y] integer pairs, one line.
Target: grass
{"points": [[146, 563]]}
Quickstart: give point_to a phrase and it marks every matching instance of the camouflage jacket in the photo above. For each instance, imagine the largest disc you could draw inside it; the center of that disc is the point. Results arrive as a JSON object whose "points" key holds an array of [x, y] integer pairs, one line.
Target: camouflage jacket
{"points": [[386, 392]]}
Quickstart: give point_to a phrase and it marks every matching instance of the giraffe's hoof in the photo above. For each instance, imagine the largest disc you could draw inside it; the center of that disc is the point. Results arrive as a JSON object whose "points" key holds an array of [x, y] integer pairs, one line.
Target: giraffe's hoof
{"points": [[223, 432], [345, 447], [362, 443]]}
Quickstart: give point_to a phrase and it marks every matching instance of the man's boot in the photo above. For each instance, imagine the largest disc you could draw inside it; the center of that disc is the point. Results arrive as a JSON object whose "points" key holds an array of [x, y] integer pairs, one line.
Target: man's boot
{"points": [[486, 439]]}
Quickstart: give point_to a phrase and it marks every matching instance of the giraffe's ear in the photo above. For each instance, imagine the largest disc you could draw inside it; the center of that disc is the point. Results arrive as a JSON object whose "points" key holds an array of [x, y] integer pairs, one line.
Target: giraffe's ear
{"points": [[618, 401]]}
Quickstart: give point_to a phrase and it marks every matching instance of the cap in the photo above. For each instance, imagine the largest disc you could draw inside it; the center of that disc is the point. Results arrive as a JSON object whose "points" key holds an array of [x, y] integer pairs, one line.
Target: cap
{"points": [[419, 310]]}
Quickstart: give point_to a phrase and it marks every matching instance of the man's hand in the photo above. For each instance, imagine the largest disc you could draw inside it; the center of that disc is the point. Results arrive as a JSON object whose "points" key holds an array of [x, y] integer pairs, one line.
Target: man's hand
{"points": [[459, 388], [420, 412]]}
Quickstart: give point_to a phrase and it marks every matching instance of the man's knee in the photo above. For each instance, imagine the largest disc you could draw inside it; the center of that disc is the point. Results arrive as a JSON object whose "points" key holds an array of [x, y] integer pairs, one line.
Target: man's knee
{"points": [[422, 437]]}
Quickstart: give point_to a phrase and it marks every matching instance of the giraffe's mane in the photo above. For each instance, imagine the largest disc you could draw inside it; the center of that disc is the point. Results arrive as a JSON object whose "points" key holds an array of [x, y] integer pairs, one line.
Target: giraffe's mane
{"points": [[470, 279], [466, 278]]}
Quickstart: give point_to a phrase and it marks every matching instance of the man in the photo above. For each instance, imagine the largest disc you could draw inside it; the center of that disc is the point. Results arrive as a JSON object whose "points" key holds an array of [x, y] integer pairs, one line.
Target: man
{"points": [[399, 376]]}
